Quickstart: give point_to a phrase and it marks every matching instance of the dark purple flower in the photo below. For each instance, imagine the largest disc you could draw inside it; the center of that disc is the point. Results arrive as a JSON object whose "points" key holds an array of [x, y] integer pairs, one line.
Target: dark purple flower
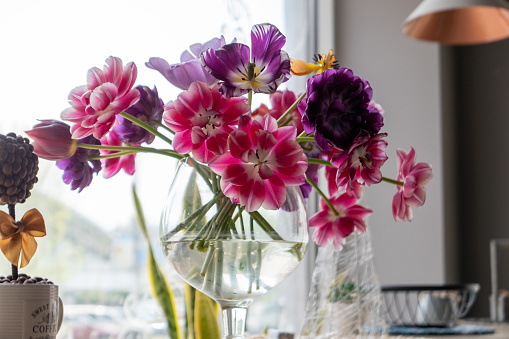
{"points": [[78, 170], [338, 108], [190, 68], [149, 109], [241, 69]]}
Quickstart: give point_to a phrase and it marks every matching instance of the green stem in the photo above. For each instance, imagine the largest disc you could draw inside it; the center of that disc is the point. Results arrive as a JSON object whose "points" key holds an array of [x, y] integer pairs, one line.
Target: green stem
{"points": [[250, 98], [134, 149], [250, 270], [218, 276], [324, 197], [111, 155], [258, 269], [145, 126], [291, 108], [206, 263], [163, 126], [304, 134], [204, 172], [320, 162], [214, 182], [265, 226], [391, 181], [286, 122], [302, 140], [198, 215], [242, 227]]}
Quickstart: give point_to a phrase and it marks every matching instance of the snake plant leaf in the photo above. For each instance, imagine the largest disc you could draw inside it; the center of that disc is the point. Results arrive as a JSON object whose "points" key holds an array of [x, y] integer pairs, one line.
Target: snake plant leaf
{"points": [[205, 317], [160, 289], [189, 297]]}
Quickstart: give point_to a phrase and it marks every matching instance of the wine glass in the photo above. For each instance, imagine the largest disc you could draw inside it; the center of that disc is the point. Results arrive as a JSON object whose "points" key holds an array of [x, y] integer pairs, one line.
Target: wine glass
{"points": [[225, 252]]}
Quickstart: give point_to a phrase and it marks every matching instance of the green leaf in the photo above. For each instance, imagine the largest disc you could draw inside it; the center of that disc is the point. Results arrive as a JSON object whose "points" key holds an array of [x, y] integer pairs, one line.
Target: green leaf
{"points": [[192, 200], [160, 289], [205, 317], [189, 297]]}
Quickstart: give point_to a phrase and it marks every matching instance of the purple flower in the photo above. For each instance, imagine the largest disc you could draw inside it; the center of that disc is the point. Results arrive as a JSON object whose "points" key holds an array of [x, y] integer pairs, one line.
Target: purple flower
{"points": [[78, 170], [52, 140], [241, 69], [149, 109], [338, 108], [190, 68]]}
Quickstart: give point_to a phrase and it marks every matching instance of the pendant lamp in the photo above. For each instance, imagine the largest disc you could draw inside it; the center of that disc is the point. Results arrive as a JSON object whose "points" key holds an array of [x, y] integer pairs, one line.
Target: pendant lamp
{"points": [[459, 22]]}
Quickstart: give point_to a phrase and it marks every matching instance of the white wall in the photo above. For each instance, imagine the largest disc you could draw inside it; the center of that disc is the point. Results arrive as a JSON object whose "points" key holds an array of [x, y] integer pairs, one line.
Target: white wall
{"points": [[404, 74]]}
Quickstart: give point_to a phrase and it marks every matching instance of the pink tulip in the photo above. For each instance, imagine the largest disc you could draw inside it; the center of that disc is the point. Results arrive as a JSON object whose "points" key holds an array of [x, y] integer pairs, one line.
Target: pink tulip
{"points": [[412, 193], [108, 92], [334, 228], [261, 161], [202, 120], [112, 166], [52, 140], [361, 162]]}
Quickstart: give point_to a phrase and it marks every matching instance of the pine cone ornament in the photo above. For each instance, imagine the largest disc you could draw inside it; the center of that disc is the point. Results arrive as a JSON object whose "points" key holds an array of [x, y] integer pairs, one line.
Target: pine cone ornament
{"points": [[18, 168]]}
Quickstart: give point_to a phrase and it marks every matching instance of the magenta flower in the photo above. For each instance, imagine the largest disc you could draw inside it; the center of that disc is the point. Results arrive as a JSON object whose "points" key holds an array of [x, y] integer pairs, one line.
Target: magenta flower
{"points": [[202, 120], [263, 159], [52, 140], [148, 109], [189, 69], [334, 228], [260, 69], [361, 162], [412, 193], [338, 107], [330, 177], [108, 92], [78, 169], [113, 165]]}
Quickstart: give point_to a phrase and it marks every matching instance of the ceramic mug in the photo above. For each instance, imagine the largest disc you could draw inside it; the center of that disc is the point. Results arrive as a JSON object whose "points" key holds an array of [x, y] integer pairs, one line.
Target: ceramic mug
{"points": [[30, 311]]}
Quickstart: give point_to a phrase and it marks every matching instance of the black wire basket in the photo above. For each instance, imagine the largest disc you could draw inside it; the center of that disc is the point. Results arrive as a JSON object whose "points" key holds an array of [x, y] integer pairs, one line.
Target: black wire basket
{"points": [[428, 306]]}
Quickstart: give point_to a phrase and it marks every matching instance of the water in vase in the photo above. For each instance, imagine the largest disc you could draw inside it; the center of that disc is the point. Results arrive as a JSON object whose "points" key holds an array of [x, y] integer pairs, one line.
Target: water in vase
{"points": [[234, 270]]}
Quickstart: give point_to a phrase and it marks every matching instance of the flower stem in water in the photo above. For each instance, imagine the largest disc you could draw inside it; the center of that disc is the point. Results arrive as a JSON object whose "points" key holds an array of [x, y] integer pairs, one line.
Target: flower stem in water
{"points": [[218, 277]]}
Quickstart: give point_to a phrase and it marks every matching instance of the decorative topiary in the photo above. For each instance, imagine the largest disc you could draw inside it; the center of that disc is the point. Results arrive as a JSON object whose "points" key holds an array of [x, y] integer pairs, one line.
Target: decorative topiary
{"points": [[18, 168], [18, 174]]}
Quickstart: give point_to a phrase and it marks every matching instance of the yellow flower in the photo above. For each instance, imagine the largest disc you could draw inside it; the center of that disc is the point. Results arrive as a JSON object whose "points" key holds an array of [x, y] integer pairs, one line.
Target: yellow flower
{"points": [[322, 63]]}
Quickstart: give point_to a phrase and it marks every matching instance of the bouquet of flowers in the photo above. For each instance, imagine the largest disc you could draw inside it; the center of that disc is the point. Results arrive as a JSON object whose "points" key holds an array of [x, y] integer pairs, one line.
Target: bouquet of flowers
{"points": [[248, 157], [334, 124]]}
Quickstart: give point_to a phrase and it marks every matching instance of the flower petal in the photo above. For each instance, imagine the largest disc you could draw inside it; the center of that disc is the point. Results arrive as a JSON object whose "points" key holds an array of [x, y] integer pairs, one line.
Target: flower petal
{"points": [[275, 193], [252, 195], [266, 40]]}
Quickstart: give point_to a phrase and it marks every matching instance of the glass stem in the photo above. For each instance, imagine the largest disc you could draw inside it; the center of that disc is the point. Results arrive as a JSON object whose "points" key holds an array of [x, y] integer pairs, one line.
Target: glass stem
{"points": [[234, 322]]}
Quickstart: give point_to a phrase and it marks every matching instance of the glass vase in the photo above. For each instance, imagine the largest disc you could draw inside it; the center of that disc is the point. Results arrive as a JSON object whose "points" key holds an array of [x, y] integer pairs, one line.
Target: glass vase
{"points": [[225, 252], [345, 299]]}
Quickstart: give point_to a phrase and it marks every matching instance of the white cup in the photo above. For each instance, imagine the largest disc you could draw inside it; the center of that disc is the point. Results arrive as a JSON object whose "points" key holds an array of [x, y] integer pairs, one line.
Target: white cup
{"points": [[30, 311]]}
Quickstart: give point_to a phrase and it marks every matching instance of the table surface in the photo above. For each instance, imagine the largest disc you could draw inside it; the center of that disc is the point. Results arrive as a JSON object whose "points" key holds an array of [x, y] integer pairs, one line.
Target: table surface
{"points": [[501, 332]]}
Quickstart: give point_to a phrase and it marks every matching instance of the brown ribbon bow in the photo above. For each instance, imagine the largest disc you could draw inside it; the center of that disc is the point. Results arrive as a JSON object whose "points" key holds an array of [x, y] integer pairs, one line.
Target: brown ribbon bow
{"points": [[18, 237]]}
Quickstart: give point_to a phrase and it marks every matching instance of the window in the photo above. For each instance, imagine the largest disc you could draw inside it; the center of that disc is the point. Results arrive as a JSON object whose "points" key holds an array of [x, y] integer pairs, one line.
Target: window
{"points": [[94, 250]]}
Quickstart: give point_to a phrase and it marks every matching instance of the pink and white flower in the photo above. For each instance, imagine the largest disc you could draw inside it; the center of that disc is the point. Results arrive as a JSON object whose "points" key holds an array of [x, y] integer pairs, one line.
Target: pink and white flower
{"points": [[412, 193], [262, 160], [202, 120], [108, 92], [334, 226], [112, 166], [361, 163]]}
